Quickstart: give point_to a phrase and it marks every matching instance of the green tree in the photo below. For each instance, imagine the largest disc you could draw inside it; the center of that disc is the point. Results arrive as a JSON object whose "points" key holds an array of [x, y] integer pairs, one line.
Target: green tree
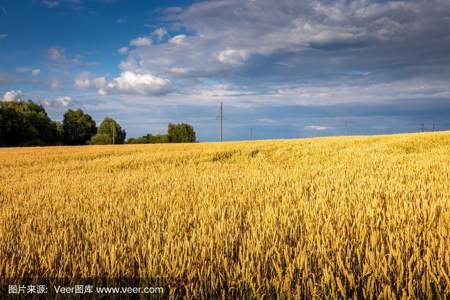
{"points": [[78, 127], [11, 127], [181, 133], [101, 139], [59, 135], [149, 139], [138, 140], [25, 123], [109, 132], [158, 139]]}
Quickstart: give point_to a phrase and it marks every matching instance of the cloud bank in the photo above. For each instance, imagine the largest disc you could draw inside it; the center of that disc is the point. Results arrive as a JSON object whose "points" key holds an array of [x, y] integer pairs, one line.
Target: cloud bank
{"points": [[291, 51]]}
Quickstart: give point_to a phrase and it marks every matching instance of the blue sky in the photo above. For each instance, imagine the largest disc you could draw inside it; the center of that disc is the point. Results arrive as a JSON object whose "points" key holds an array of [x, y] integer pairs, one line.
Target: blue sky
{"points": [[283, 69]]}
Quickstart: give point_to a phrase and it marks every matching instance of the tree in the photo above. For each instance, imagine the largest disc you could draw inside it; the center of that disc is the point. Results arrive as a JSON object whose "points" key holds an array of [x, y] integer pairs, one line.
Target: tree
{"points": [[158, 139], [59, 137], [149, 139], [78, 127], [109, 132], [138, 140], [11, 124], [25, 123], [181, 133], [101, 139]]}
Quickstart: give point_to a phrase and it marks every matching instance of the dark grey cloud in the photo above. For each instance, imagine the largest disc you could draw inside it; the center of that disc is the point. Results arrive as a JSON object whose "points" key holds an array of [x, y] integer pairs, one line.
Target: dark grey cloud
{"points": [[270, 45]]}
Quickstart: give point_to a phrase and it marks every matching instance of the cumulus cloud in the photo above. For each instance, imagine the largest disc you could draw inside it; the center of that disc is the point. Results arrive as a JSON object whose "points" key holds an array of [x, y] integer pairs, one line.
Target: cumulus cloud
{"points": [[13, 96], [102, 92], [178, 39], [84, 81], [232, 56], [99, 82], [63, 101], [141, 42], [3, 36], [123, 50], [140, 84], [35, 72]]}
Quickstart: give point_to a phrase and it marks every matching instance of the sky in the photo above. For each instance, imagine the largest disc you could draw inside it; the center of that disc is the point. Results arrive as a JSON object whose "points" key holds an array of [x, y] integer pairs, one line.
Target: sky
{"points": [[281, 68]]}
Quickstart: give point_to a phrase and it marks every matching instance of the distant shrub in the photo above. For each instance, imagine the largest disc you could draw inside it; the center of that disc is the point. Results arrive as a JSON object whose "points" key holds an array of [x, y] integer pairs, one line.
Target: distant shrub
{"points": [[149, 139], [101, 139]]}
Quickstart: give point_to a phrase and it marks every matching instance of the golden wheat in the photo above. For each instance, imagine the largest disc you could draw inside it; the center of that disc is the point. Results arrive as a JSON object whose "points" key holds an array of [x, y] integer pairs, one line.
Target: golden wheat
{"points": [[354, 217]]}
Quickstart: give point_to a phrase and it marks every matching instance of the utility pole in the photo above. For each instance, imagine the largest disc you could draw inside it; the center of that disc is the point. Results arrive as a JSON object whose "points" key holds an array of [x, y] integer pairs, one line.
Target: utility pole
{"points": [[221, 121], [434, 126], [422, 127]]}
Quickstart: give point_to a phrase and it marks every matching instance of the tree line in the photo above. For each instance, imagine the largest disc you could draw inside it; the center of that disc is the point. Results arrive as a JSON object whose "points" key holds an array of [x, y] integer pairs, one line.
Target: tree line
{"points": [[26, 123]]}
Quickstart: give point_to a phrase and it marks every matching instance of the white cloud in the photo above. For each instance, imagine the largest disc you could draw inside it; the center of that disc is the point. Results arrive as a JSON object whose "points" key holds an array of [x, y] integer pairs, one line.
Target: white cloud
{"points": [[101, 92], [99, 82], [160, 33], [35, 72], [63, 101], [178, 39], [141, 84], [84, 81], [141, 42], [3, 36], [123, 50], [316, 128], [232, 56], [14, 96], [55, 53]]}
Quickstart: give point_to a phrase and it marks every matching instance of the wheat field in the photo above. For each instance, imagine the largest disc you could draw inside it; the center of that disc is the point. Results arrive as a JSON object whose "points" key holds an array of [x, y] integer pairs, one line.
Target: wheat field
{"points": [[341, 217]]}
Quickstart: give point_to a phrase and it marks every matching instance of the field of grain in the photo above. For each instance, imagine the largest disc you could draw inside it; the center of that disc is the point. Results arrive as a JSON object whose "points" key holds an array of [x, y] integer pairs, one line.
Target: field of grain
{"points": [[343, 217]]}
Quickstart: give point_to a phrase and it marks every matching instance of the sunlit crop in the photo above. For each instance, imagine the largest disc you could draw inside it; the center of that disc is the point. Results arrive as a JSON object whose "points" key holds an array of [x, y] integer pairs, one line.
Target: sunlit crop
{"points": [[353, 217]]}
